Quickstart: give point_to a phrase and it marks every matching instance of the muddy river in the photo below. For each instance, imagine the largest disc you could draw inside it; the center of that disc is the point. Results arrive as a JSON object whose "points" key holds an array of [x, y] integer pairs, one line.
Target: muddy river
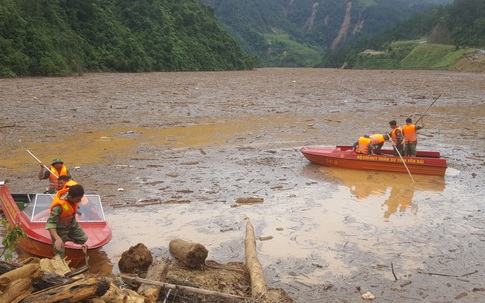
{"points": [[170, 153]]}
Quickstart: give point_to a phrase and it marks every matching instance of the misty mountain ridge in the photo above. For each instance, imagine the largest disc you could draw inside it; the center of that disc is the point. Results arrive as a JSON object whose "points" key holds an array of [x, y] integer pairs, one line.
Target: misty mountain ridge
{"points": [[269, 28]]}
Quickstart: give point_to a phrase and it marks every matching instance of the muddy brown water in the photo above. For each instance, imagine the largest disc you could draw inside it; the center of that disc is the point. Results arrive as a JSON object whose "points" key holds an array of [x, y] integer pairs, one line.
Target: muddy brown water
{"points": [[170, 153]]}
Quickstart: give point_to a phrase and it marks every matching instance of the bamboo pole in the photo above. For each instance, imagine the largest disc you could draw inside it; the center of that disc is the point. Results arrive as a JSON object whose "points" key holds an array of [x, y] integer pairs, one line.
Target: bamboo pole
{"points": [[427, 110], [400, 156]]}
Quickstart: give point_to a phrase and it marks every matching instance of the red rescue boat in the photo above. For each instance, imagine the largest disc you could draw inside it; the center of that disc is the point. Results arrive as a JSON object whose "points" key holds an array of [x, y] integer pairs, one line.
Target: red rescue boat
{"points": [[425, 162], [31, 212]]}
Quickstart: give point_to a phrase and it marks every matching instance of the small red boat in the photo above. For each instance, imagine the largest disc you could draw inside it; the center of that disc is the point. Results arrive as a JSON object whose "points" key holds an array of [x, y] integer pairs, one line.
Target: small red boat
{"points": [[31, 211], [425, 162]]}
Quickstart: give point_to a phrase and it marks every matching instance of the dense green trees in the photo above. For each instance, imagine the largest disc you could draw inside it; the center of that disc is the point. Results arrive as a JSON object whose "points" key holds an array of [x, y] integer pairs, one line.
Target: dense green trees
{"points": [[59, 37]]}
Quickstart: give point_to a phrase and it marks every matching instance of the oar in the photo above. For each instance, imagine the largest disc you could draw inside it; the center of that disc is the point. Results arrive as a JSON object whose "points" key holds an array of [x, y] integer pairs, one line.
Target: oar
{"points": [[41, 163], [397, 150], [427, 110]]}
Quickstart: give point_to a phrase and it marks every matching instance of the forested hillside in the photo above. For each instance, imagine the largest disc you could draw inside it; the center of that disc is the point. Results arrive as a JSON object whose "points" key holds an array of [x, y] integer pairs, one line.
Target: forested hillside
{"points": [[293, 33], [443, 36], [42, 37], [61, 37]]}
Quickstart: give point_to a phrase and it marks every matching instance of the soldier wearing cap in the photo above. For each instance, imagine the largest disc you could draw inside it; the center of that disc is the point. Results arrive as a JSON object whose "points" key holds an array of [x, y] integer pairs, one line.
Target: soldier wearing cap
{"points": [[57, 169]]}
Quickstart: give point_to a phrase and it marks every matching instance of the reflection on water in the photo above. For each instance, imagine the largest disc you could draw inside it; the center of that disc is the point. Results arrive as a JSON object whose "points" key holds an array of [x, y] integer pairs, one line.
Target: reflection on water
{"points": [[395, 191]]}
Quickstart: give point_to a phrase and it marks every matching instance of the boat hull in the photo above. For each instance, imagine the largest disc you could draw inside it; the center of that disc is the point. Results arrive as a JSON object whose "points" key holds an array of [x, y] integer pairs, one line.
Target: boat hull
{"points": [[38, 241], [426, 162]]}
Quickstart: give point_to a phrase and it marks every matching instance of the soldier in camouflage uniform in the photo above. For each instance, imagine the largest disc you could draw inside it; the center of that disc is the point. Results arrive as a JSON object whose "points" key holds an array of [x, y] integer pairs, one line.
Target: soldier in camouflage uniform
{"points": [[62, 224]]}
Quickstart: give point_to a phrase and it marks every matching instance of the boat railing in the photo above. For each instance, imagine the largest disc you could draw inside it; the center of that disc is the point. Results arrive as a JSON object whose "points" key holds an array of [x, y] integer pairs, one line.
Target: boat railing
{"points": [[90, 208]]}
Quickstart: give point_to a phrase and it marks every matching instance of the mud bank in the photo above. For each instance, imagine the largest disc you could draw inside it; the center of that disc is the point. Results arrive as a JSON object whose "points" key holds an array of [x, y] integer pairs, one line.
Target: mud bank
{"points": [[170, 153]]}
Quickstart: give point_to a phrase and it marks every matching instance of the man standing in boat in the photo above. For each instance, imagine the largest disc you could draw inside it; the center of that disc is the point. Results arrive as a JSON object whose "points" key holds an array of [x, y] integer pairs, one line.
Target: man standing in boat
{"points": [[62, 224], [57, 169], [397, 138], [363, 146], [410, 137], [378, 141]]}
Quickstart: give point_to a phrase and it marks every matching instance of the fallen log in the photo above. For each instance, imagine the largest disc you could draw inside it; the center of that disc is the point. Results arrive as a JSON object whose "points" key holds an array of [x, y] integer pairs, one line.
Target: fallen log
{"points": [[17, 283], [258, 281], [189, 289], [17, 290], [192, 255], [8, 266], [73, 292], [157, 272], [47, 280], [31, 271]]}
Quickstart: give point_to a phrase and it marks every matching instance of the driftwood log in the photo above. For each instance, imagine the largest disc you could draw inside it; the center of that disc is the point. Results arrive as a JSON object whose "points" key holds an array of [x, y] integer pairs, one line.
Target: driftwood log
{"points": [[258, 281], [192, 255], [27, 271], [17, 290], [47, 280], [73, 292], [17, 283], [8, 266], [136, 259], [156, 272]]}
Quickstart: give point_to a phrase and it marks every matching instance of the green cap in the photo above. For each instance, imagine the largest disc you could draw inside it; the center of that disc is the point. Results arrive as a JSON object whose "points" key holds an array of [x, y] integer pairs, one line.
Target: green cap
{"points": [[386, 137], [57, 160]]}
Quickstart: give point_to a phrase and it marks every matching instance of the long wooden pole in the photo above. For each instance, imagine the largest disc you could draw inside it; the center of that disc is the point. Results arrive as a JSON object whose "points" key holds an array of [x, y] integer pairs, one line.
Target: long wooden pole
{"points": [[41, 163], [427, 110], [193, 290], [400, 156]]}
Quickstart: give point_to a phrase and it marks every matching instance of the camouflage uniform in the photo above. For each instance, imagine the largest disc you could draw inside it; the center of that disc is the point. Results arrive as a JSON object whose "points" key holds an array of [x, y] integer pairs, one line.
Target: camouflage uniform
{"points": [[73, 233]]}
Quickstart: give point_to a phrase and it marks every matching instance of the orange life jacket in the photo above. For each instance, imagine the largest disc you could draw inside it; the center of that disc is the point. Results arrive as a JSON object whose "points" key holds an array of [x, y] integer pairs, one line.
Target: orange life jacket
{"points": [[53, 177], [69, 184], [409, 132], [377, 139], [68, 211], [363, 146], [394, 136]]}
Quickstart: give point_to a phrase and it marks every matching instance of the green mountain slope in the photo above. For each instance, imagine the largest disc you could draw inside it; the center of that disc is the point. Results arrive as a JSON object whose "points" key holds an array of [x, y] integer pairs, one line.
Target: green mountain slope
{"points": [[447, 37], [42, 37], [258, 25]]}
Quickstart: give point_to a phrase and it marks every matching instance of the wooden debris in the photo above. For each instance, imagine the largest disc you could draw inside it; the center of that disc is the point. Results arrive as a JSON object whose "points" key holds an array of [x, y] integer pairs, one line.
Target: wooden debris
{"points": [[258, 281], [47, 280], [156, 272], [189, 289], [116, 294], [16, 284], [259, 287], [137, 259], [192, 255], [17, 290], [27, 271], [73, 292], [249, 200], [56, 265]]}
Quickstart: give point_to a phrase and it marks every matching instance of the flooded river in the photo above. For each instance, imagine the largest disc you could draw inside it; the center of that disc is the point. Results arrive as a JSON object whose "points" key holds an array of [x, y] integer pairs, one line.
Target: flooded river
{"points": [[170, 153]]}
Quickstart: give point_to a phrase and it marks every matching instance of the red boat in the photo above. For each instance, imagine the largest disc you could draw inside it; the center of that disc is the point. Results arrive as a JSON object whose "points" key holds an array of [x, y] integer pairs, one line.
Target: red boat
{"points": [[425, 162], [31, 211]]}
